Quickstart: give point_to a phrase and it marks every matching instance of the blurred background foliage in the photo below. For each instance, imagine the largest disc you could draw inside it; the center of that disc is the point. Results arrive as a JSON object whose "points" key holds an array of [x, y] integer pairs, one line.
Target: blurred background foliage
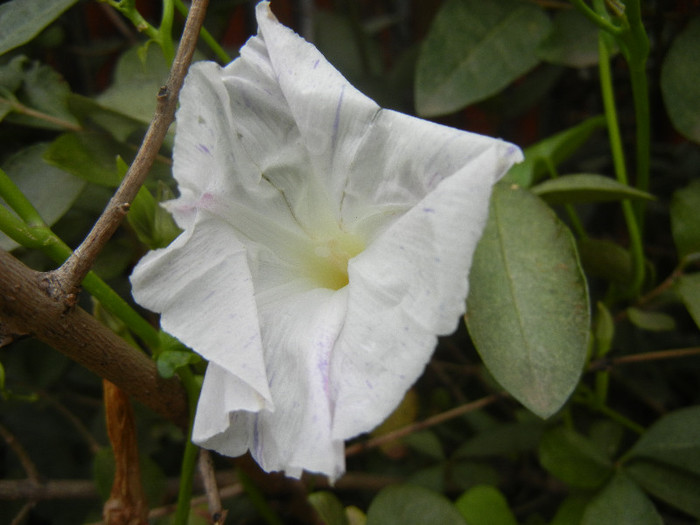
{"points": [[611, 366]]}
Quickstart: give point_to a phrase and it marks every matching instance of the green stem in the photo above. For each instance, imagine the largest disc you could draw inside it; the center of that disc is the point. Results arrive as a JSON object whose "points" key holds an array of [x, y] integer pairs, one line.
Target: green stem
{"points": [[206, 36], [576, 223], [165, 31], [21, 109], [189, 460], [623, 420], [606, 84], [601, 21], [18, 202]]}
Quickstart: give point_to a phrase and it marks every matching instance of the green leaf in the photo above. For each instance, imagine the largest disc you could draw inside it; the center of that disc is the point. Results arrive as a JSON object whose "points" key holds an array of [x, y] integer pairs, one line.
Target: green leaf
{"points": [[570, 511], [526, 275], [425, 442], [604, 330], [621, 502], [552, 150], [572, 42], [574, 458], [467, 474], [52, 191], [169, 361], [153, 225], [601, 258], [119, 125], [675, 486], [679, 81], [90, 156], [674, 439], [136, 84], [329, 508], [685, 219], [22, 20], [585, 187], [503, 439], [688, 287], [473, 50], [485, 505], [411, 505], [651, 321]]}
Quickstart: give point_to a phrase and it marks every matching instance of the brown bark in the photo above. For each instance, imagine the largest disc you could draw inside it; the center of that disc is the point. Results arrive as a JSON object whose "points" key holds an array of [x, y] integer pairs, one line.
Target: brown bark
{"points": [[27, 308]]}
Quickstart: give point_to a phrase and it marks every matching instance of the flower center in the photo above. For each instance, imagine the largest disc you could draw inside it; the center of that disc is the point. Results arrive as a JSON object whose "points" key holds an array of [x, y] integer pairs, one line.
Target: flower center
{"points": [[328, 265]]}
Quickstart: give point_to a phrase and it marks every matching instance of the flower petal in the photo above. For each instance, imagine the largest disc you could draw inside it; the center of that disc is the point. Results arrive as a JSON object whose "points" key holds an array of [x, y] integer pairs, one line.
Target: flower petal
{"points": [[200, 281], [299, 334], [406, 288]]}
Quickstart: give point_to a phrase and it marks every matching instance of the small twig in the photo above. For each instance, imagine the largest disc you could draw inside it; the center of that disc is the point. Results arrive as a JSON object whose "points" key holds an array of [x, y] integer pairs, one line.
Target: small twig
{"points": [[602, 364], [74, 420], [73, 271], [21, 453], [208, 475], [23, 513], [421, 425]]}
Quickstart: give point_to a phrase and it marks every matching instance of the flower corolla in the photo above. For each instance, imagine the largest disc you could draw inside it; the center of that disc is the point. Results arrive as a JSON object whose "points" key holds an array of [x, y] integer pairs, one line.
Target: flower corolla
{"points": [[327, 243]]}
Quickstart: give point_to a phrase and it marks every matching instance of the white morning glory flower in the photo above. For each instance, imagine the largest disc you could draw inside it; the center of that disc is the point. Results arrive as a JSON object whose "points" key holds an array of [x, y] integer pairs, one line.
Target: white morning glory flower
{"points": [[326, 245]]}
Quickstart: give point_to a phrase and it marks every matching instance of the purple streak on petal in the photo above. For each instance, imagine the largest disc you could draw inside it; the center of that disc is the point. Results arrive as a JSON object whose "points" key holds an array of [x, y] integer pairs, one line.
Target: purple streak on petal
{"points": [[316, 64], [428, 210], [203, 149], [336, 122]]}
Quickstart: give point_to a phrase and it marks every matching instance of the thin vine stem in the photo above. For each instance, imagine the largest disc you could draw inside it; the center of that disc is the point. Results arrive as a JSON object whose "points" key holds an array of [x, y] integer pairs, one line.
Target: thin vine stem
{"points": [[635, 238], [206, 36], [189, 459]]}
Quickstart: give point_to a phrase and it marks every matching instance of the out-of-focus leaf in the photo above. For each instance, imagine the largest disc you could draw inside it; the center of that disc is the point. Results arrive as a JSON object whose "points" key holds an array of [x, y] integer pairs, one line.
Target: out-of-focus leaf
{"points": [[679, 84], [329, 508], [119, 125], [571, 510], [467, 474], [601, 258], [154, 480], [621, 502], [90, 156], [503, 439], [607, 435], [169, 361], [674, 440], [425, 442], [473, 50], [40, 89], [604, 330], [403, 415], [688, 287], [586, 187], [651, 321], [675, 486], [22, 20], [431, 478], [572, 42], [411, 505], [485, 505], [685, 219], [136, 84], [52, 191], [554, 150], [574, 459], [526, 275]]}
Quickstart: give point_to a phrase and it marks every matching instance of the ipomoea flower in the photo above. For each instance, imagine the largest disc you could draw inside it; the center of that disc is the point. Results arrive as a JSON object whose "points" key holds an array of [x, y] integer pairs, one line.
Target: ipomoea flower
{"points": [[327, 243]]}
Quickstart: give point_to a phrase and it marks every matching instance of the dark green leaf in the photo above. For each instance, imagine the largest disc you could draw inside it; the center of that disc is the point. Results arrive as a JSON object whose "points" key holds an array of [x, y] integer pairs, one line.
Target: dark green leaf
{"points": [[674, 486], [605, 259], [119, 125], [554, 150], [679, 81], [425, 442], [528, 311], [685, 219], [574, 458], [329, 508], [411, 505], [572, 42], [674, 439], [90, 156], [503, 439], [52, 191], [586, 187], [570, 511], [604, 330], [688, 287], [22, 20], [473, 50], [467, 474], [621, 502], [485, 505]]}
